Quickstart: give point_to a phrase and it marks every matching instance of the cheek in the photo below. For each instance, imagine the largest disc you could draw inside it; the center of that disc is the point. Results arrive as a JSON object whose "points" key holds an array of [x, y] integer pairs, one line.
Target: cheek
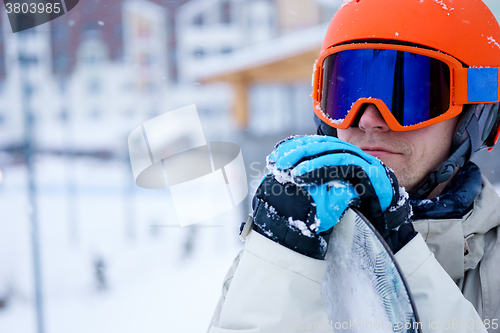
{"points": [[432, 144], [345, 135]]}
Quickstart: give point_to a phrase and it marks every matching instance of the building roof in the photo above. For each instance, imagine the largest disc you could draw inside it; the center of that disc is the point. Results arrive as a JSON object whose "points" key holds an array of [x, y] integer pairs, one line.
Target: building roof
{"points": [[287, 58]]}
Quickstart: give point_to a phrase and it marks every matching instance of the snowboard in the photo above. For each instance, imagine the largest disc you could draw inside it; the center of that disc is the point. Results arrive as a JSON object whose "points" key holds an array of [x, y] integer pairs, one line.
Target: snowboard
{"points": [[364, 289]]}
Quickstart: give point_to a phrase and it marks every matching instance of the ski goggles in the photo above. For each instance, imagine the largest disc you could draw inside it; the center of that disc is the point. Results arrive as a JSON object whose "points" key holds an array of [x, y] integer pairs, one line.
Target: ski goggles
{"points": [[411, 87]]}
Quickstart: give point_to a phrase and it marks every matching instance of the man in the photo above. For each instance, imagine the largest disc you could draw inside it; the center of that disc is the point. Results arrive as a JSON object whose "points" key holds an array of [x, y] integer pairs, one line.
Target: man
{"points": [[413, 83]]}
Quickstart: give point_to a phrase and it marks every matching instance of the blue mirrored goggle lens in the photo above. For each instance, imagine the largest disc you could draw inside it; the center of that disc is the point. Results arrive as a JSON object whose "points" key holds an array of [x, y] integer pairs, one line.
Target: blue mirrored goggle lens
{"points": [[414, 87]]}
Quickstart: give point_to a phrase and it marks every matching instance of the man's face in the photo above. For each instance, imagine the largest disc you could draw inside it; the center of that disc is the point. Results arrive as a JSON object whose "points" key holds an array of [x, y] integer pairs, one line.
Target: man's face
{"points": [[412, 155]]}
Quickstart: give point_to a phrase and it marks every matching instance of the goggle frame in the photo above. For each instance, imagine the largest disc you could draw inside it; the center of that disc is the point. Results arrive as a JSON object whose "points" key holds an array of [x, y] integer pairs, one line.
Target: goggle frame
{"points": [[461, 90]]}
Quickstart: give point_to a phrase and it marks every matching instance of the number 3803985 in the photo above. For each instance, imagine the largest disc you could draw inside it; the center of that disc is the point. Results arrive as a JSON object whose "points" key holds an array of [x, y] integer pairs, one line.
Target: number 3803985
{"points": [[33, 8]]}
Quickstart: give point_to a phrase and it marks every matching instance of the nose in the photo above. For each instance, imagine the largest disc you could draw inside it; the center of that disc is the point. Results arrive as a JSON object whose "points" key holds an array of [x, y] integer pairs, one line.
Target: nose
{"points": [[372, 120]]}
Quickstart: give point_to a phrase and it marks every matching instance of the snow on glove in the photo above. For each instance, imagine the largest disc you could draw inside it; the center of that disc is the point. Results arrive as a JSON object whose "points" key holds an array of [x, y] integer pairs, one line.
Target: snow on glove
{"points": [[290, 215], [318, 160]]}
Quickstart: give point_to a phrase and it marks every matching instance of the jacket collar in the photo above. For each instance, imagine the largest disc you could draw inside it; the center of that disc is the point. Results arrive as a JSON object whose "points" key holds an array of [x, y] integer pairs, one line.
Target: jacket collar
{"points": [[455, 223], [456, 199]]}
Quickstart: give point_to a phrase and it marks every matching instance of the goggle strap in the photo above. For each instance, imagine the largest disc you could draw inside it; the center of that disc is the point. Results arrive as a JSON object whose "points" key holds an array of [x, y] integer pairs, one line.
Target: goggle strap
{"points": [[476, 85]]}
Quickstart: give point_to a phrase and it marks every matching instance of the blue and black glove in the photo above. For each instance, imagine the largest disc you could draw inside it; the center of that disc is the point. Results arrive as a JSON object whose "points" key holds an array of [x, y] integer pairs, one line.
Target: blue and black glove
{"points": [[314, 180]]}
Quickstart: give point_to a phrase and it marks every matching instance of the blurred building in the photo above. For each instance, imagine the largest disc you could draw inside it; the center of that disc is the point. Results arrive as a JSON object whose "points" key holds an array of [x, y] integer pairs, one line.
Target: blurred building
{"points": [[27, 59], [109, 97], [122, 62], [210, 28], [270, 92], [145, 47], [95, 66]]}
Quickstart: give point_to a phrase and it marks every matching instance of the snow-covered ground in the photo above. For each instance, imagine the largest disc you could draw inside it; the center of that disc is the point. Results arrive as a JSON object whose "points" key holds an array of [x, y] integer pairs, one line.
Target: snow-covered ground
{"points": [[156, 277]]}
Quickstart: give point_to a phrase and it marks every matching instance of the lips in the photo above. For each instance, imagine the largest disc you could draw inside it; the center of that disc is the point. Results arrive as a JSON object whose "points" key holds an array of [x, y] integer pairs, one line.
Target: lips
{"points": [[379, 151]]}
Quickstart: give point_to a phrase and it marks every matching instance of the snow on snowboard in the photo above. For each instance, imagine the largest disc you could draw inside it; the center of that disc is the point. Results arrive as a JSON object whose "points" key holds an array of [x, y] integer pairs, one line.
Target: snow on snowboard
{"points": [[364, 289]]}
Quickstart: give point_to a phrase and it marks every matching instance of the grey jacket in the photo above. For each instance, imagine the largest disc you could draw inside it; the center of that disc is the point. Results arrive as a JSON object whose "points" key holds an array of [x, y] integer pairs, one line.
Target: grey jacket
{"points": [[469, 251]]}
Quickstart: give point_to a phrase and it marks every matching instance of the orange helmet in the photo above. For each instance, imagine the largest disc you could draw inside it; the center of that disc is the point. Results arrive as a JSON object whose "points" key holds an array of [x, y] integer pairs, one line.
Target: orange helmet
{"points": [[463, 29]]}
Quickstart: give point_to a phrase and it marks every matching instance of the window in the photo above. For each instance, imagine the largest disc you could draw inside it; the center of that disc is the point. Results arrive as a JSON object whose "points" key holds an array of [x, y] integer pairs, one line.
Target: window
{"points": [[226, 50], [117, 30], [63, 86], [199, 20], [92, 52], [94, 86], [199, 53], [29, 90], [28, 60], [63, 115], [60, 33], [61, 62], [225, 12]]}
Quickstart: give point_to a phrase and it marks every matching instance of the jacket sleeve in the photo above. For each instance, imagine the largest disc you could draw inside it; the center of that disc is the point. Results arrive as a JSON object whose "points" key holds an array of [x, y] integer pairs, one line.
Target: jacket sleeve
{"points": [[274, 289], [439, 302]]}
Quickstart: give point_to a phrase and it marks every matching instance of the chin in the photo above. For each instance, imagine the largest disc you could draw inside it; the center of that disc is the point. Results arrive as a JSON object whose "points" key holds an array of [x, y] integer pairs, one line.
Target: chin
{"points": [[390, 161], [404, 178]]}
